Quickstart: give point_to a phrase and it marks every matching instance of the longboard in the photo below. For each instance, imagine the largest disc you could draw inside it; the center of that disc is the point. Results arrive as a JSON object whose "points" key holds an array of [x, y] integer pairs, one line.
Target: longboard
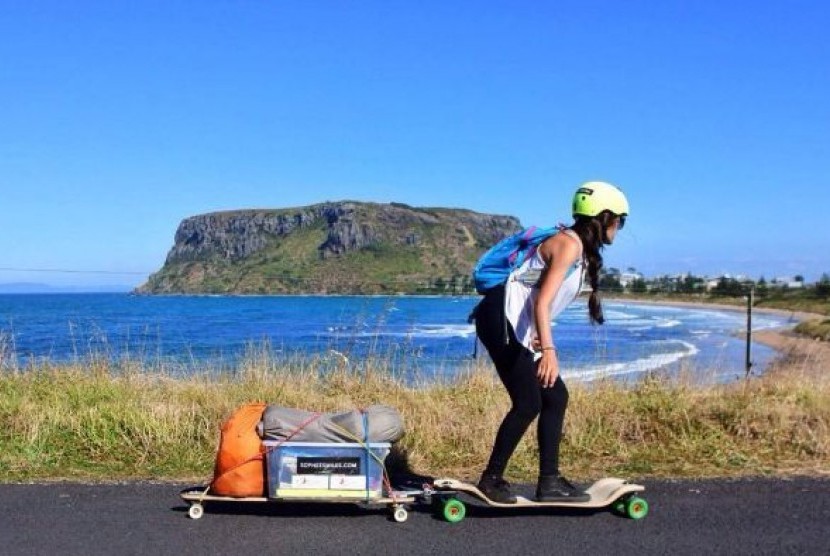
{"points": [[196, 497], [603, 493]]}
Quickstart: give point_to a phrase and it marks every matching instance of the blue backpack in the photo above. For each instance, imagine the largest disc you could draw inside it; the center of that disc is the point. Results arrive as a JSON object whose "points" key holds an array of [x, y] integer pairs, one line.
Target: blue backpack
{"points": [[493, 268]]}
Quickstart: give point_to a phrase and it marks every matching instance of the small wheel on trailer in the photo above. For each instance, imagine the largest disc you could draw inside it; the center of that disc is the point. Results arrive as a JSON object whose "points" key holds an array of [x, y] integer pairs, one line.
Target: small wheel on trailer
{"points": [[399, 514], [454, 510], [195, 511], [636, 507]]}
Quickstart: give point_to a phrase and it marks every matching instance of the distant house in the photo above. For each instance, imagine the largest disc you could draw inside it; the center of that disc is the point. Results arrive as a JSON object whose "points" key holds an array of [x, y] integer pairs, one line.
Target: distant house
{"points": [[711, 283], [788, 282], [627, 278]]}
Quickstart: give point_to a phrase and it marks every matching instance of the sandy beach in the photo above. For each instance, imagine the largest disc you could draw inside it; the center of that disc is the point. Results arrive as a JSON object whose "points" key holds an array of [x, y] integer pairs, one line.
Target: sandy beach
{"points": [[798, 354]]}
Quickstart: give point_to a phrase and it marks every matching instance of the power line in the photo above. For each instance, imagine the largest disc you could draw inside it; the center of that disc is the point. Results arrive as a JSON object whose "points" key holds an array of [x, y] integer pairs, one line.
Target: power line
{"points": [[70, 271]]}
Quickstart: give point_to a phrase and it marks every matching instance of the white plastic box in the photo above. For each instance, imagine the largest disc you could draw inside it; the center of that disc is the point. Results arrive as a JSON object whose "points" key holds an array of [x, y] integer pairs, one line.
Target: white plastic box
{"points": [[325, 470]]}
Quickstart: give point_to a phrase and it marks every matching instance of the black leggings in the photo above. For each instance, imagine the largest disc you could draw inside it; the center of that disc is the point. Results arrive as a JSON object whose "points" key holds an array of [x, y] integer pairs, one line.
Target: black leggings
{"points": [[517, 371]]}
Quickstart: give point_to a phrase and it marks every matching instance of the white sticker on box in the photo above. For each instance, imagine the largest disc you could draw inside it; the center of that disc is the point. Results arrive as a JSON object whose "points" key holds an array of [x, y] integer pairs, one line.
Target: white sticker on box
{"points": [[348, 482], [310, 481], [290, 463]]}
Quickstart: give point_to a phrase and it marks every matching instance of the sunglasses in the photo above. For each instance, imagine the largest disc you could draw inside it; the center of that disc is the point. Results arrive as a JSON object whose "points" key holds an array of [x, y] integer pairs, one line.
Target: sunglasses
{"points": [[622, 222]]}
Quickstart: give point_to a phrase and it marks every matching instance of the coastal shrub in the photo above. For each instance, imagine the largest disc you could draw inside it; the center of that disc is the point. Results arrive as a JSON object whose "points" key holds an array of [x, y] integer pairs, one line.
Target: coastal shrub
{"points": [[817, 329]]}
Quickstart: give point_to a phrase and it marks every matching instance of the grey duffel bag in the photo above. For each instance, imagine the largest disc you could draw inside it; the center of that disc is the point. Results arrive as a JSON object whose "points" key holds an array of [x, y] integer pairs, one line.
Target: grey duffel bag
{"points": [[381, 423]]}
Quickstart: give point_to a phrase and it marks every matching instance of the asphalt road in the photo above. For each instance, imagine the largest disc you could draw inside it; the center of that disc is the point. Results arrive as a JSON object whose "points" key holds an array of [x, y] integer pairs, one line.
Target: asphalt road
{"points": [[758, 516]]}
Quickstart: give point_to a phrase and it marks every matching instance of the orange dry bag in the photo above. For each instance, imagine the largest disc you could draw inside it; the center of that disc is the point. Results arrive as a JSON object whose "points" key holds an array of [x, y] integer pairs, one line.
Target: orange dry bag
{"points": [[239, 467]]}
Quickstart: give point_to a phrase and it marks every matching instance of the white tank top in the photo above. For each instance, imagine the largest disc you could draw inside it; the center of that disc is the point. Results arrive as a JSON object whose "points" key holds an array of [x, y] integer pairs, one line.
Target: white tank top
{"points": [[522, 287]]}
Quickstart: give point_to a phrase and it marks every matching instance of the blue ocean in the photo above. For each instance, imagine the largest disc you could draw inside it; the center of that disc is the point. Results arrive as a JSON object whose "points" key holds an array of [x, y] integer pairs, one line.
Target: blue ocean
{"points": [[423, 337]]}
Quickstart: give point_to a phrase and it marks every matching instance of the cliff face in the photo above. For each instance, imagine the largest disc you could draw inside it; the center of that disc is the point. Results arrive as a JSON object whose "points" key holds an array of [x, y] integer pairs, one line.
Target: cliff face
{"points": [[339, 247]]}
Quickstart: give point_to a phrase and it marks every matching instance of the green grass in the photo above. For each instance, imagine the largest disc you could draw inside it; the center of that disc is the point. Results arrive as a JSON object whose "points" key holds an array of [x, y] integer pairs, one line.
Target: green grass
{"points": [[803, 301], [103, 422]]}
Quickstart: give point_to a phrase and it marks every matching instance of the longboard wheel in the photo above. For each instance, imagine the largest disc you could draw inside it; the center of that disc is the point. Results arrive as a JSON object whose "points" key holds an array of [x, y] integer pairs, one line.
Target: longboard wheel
{"points": [[195, 511], [454, 510], [636, 507], [400, 514]]}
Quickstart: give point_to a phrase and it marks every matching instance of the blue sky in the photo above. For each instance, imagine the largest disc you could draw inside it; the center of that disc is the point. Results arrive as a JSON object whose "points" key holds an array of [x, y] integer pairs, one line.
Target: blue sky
{"points": [[119, 119]]}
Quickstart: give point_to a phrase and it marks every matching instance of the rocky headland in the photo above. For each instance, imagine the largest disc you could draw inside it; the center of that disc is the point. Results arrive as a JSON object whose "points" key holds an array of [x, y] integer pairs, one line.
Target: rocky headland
{"points": [[341, 247]]}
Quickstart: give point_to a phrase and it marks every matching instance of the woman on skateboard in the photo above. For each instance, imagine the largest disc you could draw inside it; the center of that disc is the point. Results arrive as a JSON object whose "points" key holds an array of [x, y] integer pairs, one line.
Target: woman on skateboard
{"points": [[513, 321]]}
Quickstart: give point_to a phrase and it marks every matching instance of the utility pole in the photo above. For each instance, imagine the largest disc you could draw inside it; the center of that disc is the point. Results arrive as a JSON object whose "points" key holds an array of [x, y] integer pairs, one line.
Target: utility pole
{"points": [[749, 299]]}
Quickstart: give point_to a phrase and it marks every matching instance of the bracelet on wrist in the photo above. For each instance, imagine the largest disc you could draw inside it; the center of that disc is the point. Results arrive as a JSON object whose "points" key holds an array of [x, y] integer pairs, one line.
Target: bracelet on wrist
{"points": [[546, 348]]}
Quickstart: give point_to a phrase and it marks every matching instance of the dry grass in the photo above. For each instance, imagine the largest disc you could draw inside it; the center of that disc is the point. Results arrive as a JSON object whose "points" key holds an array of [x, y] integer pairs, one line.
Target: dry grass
{"points": [[96, 420]]}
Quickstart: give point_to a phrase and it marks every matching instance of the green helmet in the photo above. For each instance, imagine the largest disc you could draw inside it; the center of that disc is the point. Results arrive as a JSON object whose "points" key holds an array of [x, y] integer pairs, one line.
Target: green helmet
{"points": [[593, 197]]}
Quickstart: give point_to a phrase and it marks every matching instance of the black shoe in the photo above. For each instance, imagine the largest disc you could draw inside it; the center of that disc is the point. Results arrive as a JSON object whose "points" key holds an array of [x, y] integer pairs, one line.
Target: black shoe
{"points": [[496, 489], [556, 488]]}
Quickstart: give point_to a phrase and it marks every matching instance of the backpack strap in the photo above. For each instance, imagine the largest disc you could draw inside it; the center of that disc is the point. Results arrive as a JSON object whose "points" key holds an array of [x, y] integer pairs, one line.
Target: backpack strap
{"points": [[525, 239]]}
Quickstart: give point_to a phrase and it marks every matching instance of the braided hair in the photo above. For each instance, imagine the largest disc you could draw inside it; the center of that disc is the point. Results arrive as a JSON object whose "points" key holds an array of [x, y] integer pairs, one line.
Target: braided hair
{"points": [[592, 230]]}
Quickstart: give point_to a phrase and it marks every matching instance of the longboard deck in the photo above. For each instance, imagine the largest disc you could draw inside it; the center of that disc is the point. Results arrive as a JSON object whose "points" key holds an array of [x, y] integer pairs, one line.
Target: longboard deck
{"points": [[603, 493]]}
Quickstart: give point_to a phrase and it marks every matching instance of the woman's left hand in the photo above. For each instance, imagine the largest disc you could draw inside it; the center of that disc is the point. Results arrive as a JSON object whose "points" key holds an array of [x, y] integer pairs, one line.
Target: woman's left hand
{"points": [[547, 369]]}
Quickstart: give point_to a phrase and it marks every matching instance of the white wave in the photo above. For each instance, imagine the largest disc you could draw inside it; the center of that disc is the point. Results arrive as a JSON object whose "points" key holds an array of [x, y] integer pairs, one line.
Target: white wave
{"points": [[660, 311], [766, 325], [619, 315], [444, 331], [426, 331], [641, 324], [642, 365], [708, 316]]}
